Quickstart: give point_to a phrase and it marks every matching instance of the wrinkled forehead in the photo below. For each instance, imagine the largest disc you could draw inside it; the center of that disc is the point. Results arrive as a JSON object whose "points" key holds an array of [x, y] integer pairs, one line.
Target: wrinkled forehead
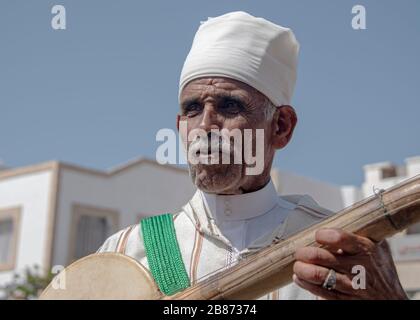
{"points": [[219, 86]]}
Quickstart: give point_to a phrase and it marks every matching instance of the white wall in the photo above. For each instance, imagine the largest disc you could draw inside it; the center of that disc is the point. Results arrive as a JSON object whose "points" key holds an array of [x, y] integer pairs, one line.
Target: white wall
{"points": [[31, 192], [327, 195], [413, 166], [373, 177], [351, 195], [143, 189], [368, 186], [149, 189]]}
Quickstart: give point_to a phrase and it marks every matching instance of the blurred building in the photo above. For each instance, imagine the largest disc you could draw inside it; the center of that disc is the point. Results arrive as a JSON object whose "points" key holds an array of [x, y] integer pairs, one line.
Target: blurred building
{"points": [[54, 213]]}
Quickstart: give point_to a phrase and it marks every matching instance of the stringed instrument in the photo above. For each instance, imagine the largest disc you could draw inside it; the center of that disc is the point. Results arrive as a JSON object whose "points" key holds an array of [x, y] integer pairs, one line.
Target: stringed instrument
{"points": [[116, 276]]}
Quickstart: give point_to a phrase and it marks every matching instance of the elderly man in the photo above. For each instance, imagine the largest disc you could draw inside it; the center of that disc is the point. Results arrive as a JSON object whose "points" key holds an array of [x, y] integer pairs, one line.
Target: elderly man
{"points": [[240, 74]]}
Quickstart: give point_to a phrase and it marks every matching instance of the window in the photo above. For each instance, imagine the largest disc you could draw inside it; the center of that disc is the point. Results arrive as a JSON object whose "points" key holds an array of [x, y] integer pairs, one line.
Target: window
{"points": [[389, 172], [91, 226], [9, 225], [6, 235]]}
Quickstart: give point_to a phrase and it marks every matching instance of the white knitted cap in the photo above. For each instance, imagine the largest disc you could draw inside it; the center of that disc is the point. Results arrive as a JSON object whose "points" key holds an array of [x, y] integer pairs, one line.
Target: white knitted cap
{"points": [[253, 50]]}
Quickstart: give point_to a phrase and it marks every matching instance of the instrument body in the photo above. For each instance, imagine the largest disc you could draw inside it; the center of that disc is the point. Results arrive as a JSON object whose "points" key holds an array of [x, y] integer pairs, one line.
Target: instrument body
{"points": [[376, 217], [103, 276]]}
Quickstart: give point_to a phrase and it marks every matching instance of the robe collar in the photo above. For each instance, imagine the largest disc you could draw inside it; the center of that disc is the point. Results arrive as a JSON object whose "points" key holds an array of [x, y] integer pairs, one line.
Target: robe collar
{"points": [[242, 206], [301, 212]]}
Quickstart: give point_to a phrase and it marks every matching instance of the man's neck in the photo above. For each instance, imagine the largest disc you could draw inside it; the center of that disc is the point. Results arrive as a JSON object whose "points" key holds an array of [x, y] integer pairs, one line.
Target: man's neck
{"points": [[247, 187]]}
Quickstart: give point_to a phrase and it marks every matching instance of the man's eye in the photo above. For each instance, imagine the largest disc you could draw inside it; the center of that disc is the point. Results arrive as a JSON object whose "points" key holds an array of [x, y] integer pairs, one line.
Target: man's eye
{"points": [[231, 107], [192, 109]]}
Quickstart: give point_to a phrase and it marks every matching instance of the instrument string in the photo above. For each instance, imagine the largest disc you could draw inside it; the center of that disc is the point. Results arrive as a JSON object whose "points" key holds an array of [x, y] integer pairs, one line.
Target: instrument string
{"points": [[379, 195]]}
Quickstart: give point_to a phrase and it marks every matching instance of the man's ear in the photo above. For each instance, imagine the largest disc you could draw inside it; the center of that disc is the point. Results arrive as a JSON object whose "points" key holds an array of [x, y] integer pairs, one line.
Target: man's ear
{"points": [[178, 117], [284, 122]]}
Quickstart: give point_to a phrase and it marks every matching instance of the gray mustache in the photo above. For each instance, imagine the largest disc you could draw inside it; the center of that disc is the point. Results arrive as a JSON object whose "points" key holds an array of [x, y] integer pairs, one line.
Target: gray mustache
{"points": [[215, 144]]}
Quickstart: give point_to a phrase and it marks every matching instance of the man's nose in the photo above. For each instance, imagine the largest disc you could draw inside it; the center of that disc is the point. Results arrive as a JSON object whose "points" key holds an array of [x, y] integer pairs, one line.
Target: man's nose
{"points": [[210, 119]]}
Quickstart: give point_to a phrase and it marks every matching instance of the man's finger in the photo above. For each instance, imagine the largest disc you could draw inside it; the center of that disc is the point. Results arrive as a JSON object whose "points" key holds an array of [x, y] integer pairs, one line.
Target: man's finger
{"points": [[350, 243], [316, 275], [319, 291], [319, 256]]}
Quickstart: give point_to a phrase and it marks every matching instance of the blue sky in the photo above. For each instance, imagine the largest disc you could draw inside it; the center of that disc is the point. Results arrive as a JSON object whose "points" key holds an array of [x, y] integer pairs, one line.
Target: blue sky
{"points": [[96, 93]]}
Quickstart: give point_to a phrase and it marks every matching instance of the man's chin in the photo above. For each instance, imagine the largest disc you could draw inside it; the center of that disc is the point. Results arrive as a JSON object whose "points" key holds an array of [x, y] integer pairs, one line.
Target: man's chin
{"points": [[220, 179]]}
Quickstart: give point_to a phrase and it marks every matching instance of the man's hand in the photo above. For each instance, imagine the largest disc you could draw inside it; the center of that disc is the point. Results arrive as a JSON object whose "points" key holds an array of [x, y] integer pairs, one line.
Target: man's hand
{"points": [[342, 251]]}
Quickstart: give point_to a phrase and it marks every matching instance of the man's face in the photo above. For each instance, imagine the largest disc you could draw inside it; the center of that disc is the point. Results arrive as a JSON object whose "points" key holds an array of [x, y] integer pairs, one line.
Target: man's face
{"points": [[222, 103]]}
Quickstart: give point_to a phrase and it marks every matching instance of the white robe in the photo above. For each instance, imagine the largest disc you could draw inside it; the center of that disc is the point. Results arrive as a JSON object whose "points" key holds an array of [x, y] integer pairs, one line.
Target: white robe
{"points": [[213, 231]]}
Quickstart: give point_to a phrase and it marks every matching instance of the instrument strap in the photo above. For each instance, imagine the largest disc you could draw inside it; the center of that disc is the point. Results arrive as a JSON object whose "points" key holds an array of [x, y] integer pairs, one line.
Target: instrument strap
{"points": [[163, 254]]}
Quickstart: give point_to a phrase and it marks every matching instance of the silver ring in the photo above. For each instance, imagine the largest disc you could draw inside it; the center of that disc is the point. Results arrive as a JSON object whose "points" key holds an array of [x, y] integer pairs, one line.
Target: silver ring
{"points": [[330, 281]]}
